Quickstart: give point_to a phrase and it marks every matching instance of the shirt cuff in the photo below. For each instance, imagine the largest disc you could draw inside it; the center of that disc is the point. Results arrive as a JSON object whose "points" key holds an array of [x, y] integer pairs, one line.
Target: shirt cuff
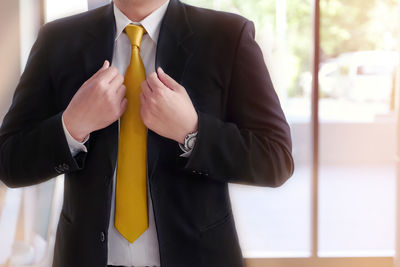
{"points": [[74, 146]]}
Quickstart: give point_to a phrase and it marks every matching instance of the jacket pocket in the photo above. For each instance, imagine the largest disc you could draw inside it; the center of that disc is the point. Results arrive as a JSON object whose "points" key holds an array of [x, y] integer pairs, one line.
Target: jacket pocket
{"points": [[226, 218]]}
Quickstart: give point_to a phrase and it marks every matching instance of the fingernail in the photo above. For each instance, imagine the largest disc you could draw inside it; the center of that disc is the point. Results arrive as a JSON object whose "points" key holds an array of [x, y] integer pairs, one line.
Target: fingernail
{"points": [[160, 70], [106, 63]]}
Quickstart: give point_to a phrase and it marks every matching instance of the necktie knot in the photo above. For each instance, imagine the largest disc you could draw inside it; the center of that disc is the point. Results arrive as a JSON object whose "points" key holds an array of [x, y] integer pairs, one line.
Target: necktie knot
{"points": [[135, 34]]}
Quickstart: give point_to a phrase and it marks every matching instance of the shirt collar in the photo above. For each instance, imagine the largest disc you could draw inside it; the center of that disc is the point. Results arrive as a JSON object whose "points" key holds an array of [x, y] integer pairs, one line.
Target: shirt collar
{"points": [[151, 23]]}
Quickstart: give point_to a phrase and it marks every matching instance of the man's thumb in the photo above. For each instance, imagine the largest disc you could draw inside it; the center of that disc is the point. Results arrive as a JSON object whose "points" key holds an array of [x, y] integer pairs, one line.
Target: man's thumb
{"points": [[167, 80]]}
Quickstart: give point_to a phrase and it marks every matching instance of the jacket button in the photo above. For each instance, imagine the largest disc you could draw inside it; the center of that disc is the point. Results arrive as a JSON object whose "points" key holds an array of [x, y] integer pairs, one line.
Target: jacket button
{"points": [[65, 167], [61, 168], [102, 237], [58, 170]]}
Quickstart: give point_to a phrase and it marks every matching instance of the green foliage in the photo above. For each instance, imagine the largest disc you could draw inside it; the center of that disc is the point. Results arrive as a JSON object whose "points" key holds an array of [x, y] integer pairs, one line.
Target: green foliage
{"points": [[353, 25], [346, 25]]}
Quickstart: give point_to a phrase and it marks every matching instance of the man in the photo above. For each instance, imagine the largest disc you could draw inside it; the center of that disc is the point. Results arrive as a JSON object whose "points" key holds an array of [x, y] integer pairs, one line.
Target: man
{"points": [[206, 115]]}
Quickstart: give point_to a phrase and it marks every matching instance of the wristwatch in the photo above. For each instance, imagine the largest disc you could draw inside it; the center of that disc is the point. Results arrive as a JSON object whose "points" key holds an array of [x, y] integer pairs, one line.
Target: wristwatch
{"points": [[189, 142]]}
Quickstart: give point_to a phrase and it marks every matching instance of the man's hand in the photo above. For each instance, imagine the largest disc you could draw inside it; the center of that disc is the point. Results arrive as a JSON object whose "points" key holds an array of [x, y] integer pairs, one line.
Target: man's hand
{"points": [[166, 107], [98, 103]]}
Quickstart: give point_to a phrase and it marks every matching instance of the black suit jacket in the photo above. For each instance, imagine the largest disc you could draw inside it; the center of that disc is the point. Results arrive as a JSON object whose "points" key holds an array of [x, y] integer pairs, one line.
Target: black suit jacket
{"points": [[243, 135]]}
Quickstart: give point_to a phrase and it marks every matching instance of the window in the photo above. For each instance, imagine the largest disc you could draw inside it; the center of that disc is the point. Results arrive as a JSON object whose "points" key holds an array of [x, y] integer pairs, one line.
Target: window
{"points": [[354, 201], [277, 222]]}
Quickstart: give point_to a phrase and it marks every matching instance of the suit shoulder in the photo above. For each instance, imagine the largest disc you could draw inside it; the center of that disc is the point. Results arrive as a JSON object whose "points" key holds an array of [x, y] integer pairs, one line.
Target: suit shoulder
{"points": [[215, 21]]}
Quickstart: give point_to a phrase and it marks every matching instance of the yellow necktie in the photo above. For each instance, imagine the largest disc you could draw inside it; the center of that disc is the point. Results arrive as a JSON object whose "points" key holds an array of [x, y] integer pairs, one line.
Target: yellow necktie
{"points": [[131, 189]]}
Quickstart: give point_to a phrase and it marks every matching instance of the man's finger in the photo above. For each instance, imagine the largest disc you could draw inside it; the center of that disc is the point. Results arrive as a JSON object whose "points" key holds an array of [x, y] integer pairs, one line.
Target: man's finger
{"points": [[143, 97], [121, 92], [124, 105], [117, 81], [154, 83], [146, 89], [108, 74], [167, 80], [105, 66]]}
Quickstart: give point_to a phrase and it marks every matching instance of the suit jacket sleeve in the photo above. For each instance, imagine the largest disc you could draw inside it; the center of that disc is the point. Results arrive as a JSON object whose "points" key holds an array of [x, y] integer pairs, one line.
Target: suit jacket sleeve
{"points": [[33, 147], [253, 145]]}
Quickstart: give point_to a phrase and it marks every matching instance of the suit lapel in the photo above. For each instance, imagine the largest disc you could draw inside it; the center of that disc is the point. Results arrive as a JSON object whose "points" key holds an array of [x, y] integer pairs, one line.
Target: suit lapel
{"points": [[100, 47], [173, 53], [173, 47], [101, 34]]}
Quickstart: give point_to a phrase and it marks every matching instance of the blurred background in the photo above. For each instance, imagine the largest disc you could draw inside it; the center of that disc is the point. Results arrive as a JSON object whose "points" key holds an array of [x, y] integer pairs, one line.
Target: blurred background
{"points": [[334, 64]]}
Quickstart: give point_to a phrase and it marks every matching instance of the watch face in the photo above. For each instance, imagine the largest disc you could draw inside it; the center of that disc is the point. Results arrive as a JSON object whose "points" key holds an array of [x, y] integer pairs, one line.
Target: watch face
{"points": [[191, 141]]}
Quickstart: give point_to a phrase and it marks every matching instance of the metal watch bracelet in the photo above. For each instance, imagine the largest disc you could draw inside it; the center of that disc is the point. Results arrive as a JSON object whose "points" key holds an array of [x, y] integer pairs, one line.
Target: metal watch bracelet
{"points": [[189, 142]]}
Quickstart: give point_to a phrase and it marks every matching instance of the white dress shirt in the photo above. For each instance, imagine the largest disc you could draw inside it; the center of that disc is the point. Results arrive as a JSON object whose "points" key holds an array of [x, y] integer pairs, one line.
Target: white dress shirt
{"points": [[144, 250]]}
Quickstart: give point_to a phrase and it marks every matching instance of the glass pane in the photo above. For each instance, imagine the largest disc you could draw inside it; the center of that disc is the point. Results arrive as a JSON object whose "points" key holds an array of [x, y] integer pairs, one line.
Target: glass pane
{"points": [[276, 222], [357, 177]]}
